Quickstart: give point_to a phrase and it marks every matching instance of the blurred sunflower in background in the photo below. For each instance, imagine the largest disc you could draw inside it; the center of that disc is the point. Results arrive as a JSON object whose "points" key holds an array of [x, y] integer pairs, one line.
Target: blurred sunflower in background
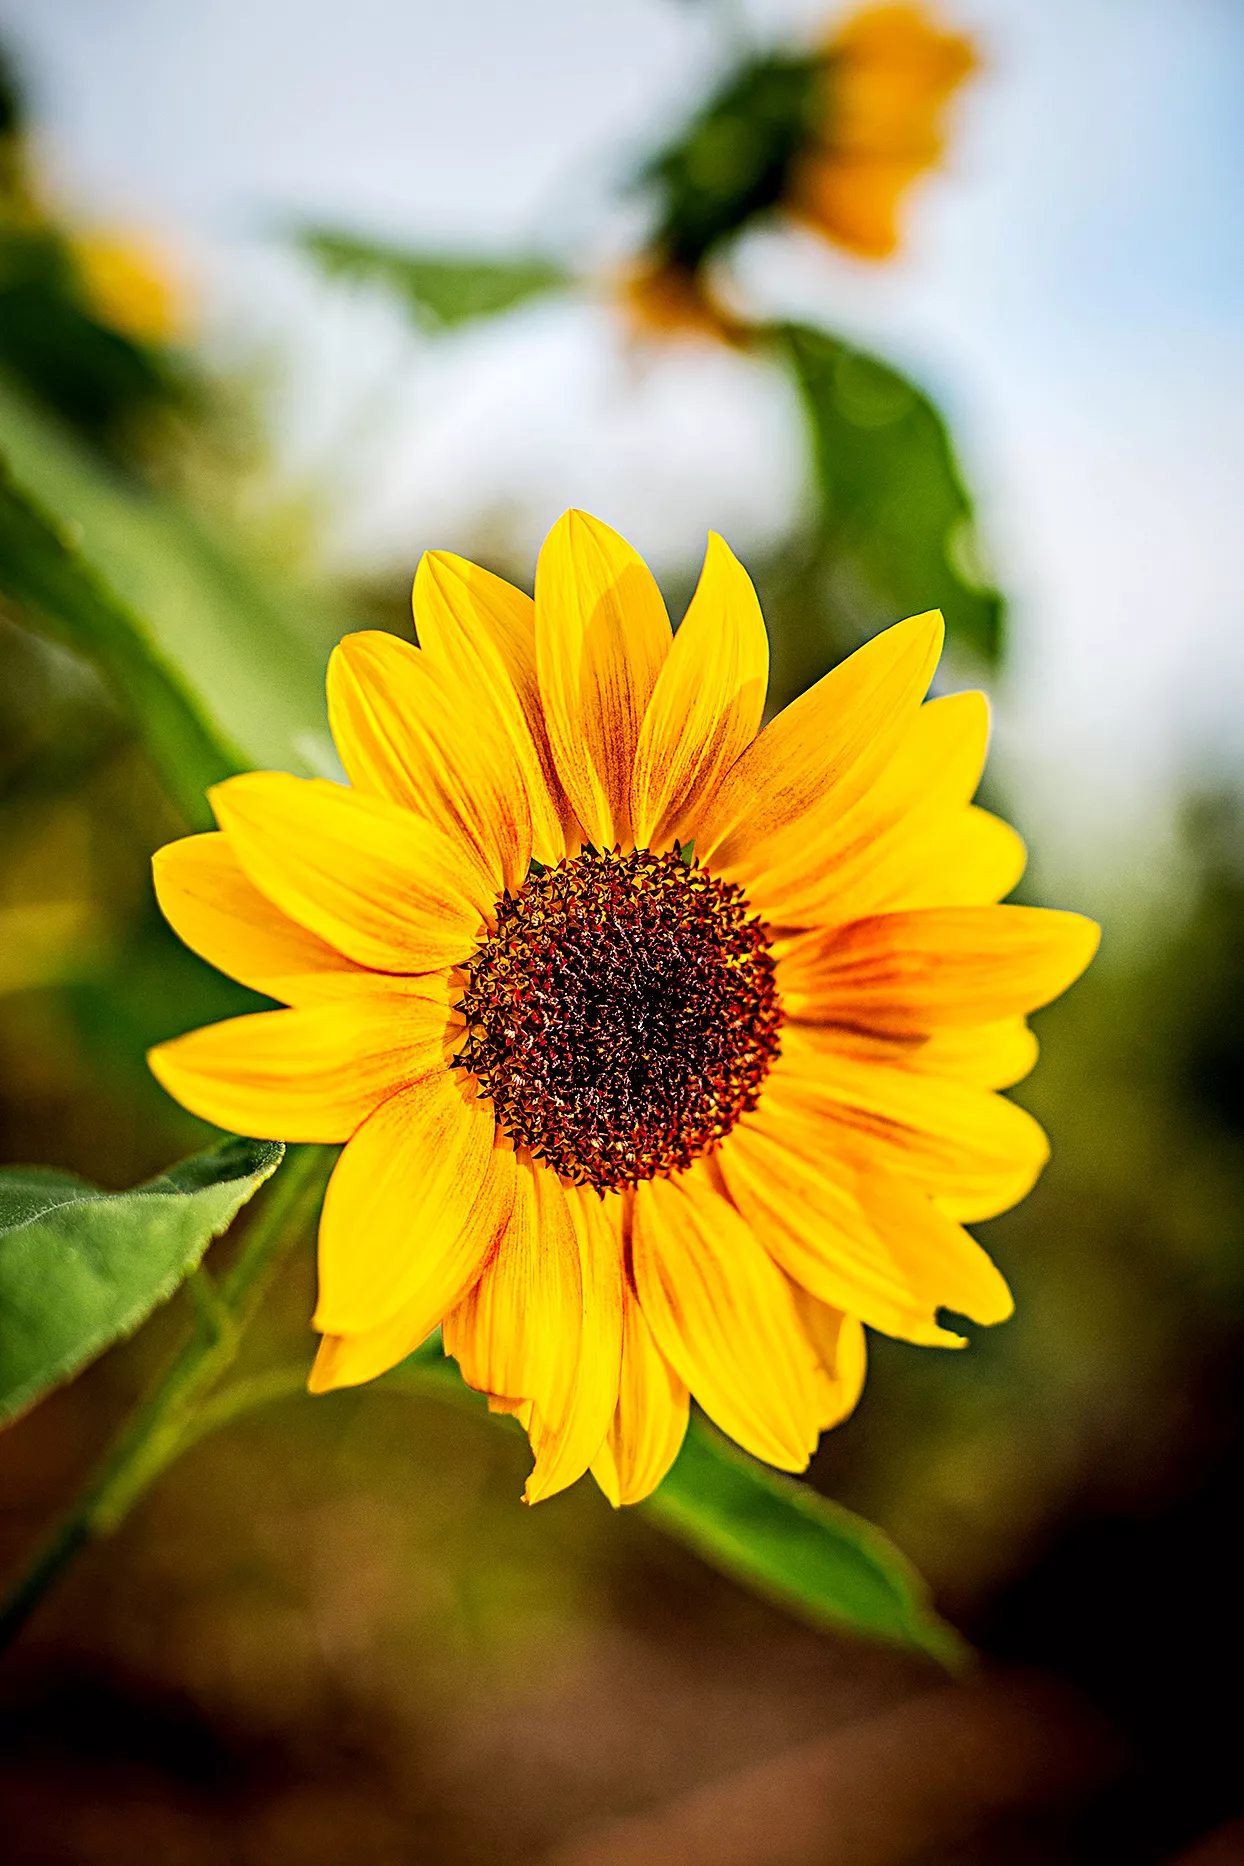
{"points": [[834, 138], [89, 317], [664, 1048]]}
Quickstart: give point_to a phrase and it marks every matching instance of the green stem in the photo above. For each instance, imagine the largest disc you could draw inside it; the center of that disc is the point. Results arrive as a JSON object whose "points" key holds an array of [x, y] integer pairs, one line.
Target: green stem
{"points": [[170, 1418]]}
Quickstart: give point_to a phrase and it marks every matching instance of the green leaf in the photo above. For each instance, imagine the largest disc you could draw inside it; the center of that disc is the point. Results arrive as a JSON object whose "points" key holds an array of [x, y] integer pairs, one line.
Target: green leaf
{"points": [[248, 652], [80, 1267], [896, 522], [441, 291], [46, 578], [785, 1540]]}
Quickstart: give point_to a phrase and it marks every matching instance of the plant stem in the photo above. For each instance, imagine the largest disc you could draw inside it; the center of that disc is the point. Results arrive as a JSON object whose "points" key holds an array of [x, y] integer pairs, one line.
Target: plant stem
{"points": [[167, 1420]]}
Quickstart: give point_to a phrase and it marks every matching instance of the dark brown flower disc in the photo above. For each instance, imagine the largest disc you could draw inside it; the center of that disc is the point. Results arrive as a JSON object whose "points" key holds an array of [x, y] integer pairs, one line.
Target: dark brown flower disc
{"points": [[623, 1015]]}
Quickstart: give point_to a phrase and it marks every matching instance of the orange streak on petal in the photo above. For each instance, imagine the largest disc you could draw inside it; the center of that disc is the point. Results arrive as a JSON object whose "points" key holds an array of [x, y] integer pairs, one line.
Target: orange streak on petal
{"points": [[831, 743], [482, 632], [407, 732], [907, 974], [707, 704], [602, 636]]}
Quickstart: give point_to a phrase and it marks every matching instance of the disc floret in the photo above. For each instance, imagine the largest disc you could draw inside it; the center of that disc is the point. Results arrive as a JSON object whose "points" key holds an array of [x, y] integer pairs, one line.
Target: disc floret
{"points": [[623, 1015]]}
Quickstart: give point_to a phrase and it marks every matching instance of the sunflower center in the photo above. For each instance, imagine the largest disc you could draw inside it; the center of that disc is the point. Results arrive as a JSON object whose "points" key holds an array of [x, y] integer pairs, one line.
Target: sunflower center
{"points": [[623, 1015]]}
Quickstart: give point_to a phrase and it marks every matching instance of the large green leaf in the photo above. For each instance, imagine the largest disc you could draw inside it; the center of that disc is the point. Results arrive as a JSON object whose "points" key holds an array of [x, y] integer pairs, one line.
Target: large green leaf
{"points": [[784, 1539], [896, 527], [250, 651], [440, 291], [779, 1537], [79, 1267], [45, 576]]}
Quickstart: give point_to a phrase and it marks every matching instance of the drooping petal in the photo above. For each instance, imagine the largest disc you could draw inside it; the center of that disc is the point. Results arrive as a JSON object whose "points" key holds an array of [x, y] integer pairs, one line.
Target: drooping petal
{"points": [[838, 1341], [650, 1421], [381, 885], [830, 743], [407, 732], [403, 1221], [723, 1316], [907, 974], [805, 1209], [209, 903], [312, 1074], [975, 1152], [707, 704], [482, 631], [565, 1448], [349, 1360], [540, 1331], [602, 636], [939, 1256]]}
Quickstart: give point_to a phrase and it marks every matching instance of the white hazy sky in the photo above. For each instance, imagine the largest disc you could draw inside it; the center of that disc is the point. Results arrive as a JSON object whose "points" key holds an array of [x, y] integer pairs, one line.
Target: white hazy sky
{"points": [[1072, 290]]}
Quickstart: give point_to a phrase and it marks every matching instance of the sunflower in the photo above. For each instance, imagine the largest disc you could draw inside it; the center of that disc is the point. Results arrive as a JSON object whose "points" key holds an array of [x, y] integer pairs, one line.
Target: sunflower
{"points": [[889, 75], [664, 1049], [833, 138]]}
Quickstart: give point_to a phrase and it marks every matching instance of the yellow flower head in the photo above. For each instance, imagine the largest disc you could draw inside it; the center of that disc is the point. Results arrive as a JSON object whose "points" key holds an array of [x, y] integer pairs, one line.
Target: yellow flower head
{"points": [[889, 74], [834, 137], [129, 286], [664, 1049]]}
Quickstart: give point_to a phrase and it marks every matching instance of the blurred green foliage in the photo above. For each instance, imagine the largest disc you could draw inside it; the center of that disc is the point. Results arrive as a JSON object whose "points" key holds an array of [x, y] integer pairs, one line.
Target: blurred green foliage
{"points": [[439, 292], [733, 162]]}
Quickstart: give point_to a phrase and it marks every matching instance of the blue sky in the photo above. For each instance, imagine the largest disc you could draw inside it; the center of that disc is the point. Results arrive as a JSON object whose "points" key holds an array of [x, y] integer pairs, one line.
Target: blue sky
{"points": [[1072, 289]]}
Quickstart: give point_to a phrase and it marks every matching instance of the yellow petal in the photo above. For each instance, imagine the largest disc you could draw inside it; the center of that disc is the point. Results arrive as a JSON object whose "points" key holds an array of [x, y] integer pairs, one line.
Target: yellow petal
{"points": [[350, 1360], [976, 859], [906, 974], [650, 1421], [543, 1325], [482, 632], [407, 732], [602, 635], [312, 1074], [838, 1342], [565, 1448], [413, 1208], [975, 1152], [830, 743], [707, 704], [939, 1256], [805, 1210], [840, 863], [723, 1316], [209, 903], [855, 202], [993, 1056], [382, 886]]}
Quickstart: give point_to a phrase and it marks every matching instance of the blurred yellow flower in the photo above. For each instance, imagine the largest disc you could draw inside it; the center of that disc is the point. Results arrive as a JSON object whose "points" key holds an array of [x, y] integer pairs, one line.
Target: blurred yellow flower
{"points": [[833, 138], [129, 285], [631, 1121], [889, 74]]}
